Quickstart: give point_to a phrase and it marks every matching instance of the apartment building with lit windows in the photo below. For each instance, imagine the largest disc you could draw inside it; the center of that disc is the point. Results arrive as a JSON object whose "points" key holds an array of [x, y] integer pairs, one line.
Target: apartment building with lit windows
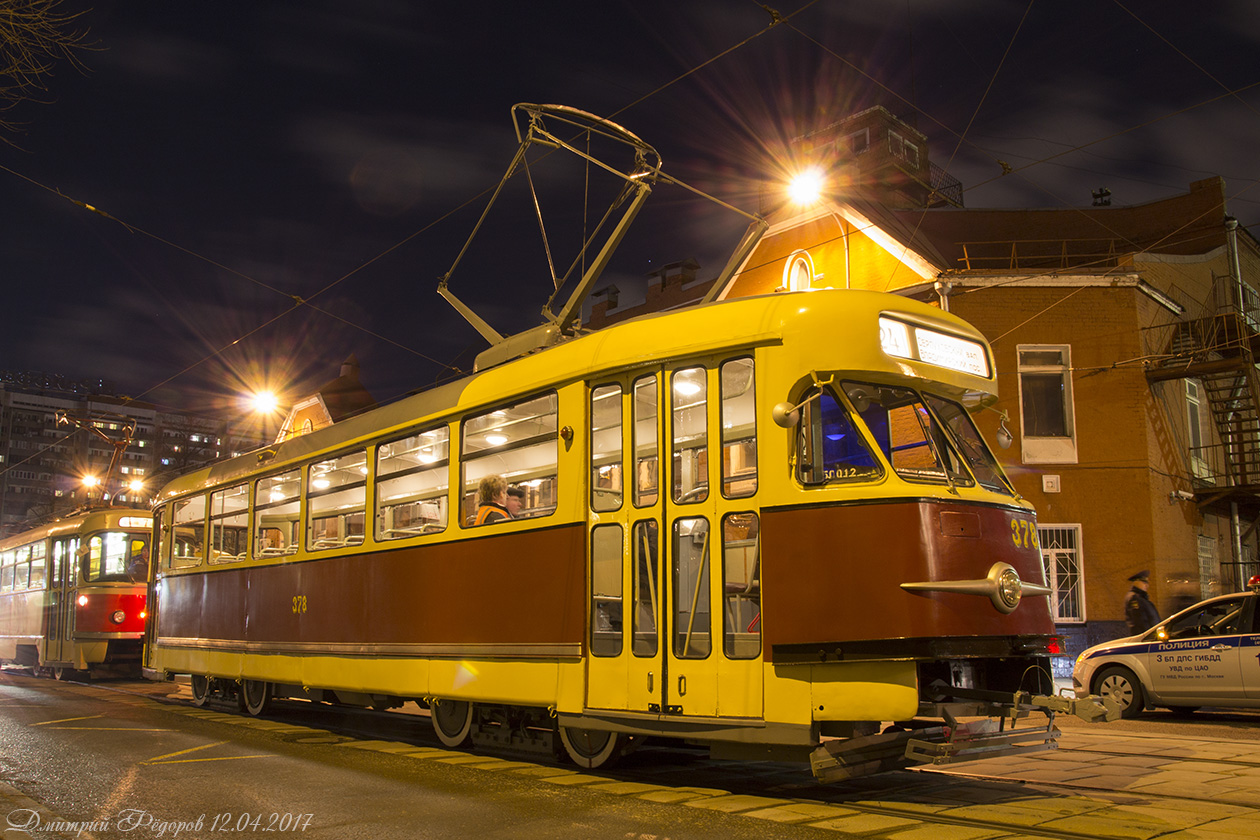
{"points": [[44, 460]]}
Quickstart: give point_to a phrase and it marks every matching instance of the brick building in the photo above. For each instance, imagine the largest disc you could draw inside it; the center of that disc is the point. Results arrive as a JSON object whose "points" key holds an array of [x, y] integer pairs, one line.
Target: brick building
{"points": [[1124, 339]]}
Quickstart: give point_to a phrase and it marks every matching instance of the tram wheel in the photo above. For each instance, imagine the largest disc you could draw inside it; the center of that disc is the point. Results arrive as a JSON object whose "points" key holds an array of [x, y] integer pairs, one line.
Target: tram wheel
{"points": [[593, 748], [63, 674], [452, 721], [200, 689], [256, 696], [1123, 687]]}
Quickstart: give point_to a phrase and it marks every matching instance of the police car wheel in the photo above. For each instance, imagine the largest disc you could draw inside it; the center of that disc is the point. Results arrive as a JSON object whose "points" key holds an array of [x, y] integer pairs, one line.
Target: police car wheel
{"points": [[1123, 687]]}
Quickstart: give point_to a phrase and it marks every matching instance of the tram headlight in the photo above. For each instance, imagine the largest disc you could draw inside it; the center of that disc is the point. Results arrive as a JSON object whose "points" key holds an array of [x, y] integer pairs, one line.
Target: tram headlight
{"points": [[1010, 588], [118, 616], [83, 599]]}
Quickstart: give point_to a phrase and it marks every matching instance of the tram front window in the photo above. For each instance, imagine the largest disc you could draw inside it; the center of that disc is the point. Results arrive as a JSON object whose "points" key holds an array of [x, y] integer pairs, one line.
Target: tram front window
{"points": [[908, 434], [109, 556], [978, 456], [830, 447]]}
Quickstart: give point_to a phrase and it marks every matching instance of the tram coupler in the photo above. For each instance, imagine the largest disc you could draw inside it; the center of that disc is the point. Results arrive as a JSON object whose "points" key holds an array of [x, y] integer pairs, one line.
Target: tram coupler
{"points": [[991, 734]]}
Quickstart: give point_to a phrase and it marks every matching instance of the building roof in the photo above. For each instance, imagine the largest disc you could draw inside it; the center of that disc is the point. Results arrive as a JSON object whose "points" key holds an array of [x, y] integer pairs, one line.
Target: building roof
{"points": [[1191, 223]]}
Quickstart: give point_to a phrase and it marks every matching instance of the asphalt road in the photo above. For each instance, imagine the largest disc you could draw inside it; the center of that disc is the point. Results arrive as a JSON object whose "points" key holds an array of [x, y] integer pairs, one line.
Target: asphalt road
{"points": [[129, 760]]}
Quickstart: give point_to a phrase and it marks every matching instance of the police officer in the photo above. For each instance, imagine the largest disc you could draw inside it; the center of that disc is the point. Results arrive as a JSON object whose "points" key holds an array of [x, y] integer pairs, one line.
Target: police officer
{"points": [[1139, 612]]}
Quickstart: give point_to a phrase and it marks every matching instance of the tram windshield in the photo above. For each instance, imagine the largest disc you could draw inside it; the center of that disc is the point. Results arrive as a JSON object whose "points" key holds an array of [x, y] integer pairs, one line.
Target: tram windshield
{"points": [[924, 437], [115, 556]]}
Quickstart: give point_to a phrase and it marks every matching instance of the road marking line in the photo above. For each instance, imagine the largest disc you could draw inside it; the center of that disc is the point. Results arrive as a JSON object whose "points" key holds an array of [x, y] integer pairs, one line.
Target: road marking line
{"points": [[162, 759], [183, 752], [195, 760], [67, 720]]}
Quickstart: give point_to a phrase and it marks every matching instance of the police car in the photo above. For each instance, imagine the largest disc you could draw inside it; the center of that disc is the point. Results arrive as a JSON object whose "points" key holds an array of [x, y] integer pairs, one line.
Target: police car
{"points": [[1206, 655]]}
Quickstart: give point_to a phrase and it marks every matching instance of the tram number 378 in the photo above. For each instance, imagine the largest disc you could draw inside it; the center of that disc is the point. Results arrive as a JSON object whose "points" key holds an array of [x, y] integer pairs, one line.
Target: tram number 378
{"points": [[299, 604], [1024, 533]]}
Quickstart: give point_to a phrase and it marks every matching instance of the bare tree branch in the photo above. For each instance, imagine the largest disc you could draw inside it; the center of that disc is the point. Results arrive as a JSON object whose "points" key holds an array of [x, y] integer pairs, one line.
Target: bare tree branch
{"points": [[34, 36]]}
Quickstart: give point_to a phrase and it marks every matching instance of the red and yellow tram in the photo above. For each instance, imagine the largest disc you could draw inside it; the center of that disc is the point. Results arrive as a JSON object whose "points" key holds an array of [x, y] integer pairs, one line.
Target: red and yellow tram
{"points": [[72, 593], [762, 525]]}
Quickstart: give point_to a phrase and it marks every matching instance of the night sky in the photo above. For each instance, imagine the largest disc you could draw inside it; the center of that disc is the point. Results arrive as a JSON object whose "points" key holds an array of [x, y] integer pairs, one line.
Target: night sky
{"points": [[255, 154]]}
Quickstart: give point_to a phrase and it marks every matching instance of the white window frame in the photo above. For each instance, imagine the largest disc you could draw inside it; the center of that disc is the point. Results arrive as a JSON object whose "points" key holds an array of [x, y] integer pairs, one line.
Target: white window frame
{"points": [[798, 272], [1194, 430], [1209, 569], [1052, 551], [1056, 449]]}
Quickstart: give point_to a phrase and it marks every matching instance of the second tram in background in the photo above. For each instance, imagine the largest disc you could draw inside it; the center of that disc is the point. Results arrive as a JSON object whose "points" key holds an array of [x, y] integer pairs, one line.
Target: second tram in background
{"points": [[758, 525], [72, 593]]}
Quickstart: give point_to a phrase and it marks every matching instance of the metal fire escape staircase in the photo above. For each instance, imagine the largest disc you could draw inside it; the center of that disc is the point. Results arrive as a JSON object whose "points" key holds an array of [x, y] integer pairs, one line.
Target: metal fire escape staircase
{"points": [[1219, 350]]}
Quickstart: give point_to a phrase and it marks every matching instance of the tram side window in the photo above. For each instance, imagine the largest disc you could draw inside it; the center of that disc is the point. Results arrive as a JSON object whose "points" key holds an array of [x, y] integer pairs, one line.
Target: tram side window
{"points": [[606, 463], [907, 433], [276, 504], [107, 557], [6, 571], [518, 442], [38, 565], [829, 447], [336, 499], [741, 583], [189, 525], [606, 601], [21, 568], [739, 429], [690, 581], [691, 435], [412, 478], [229, 524], [644, 443]]}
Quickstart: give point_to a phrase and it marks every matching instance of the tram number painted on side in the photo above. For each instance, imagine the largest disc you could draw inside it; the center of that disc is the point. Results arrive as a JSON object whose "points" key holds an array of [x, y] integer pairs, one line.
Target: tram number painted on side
{"points": [[1024, 533], [299, 604]]}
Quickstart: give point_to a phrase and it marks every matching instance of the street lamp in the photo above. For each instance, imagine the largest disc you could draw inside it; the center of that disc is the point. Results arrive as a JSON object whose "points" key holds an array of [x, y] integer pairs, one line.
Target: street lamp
{"points": [[807, 186], [264, 402]]}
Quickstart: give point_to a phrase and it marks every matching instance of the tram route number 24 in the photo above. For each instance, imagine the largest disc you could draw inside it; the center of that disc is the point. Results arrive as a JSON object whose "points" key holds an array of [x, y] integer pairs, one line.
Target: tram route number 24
{"points": [[1024, 533], [299, 604]]}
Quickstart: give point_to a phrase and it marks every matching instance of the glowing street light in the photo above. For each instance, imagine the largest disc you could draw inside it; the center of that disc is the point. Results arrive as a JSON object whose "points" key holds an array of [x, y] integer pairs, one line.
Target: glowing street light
{"points": [[265, 402], [135, 485], [806, 187], [91, 481]]}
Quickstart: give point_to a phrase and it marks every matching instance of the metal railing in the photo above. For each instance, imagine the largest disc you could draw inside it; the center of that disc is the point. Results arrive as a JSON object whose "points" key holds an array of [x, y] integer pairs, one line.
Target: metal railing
{"points": [[1040, 254]]}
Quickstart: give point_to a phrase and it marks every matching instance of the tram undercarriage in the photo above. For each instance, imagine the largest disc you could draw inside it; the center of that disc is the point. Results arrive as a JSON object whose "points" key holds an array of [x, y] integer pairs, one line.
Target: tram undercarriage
{"points": [[953, 724]]}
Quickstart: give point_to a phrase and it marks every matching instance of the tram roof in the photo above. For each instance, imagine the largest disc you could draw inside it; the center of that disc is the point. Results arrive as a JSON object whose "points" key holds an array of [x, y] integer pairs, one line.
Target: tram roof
{"points": [[830, 330]]}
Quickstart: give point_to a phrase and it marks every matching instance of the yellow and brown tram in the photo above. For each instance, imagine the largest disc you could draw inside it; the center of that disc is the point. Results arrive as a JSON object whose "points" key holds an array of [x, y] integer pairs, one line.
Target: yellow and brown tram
{"points": [[755, 524], [72, 593]]}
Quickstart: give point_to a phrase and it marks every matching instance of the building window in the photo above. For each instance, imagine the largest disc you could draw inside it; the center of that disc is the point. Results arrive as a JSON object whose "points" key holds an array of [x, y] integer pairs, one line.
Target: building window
{"points": [[1061, 558], [903, 148], [1207, 567], [856, 143], [1194, 429], [798, 272], [1046, 407]]}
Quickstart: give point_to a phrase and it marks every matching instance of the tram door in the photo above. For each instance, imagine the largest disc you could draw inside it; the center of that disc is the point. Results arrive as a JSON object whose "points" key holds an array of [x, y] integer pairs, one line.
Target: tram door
{"points": [[59, 605], [660, 546]]}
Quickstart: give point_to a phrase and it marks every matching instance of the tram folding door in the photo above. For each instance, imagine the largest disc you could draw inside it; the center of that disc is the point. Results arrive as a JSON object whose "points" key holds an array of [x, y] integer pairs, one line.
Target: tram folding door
{"points": [[657, 596], [59, 605]]}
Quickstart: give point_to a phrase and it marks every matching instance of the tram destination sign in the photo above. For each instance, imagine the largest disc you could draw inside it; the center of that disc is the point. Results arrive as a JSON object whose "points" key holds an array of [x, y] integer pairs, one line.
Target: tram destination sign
{"points": [[906, 341]]}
